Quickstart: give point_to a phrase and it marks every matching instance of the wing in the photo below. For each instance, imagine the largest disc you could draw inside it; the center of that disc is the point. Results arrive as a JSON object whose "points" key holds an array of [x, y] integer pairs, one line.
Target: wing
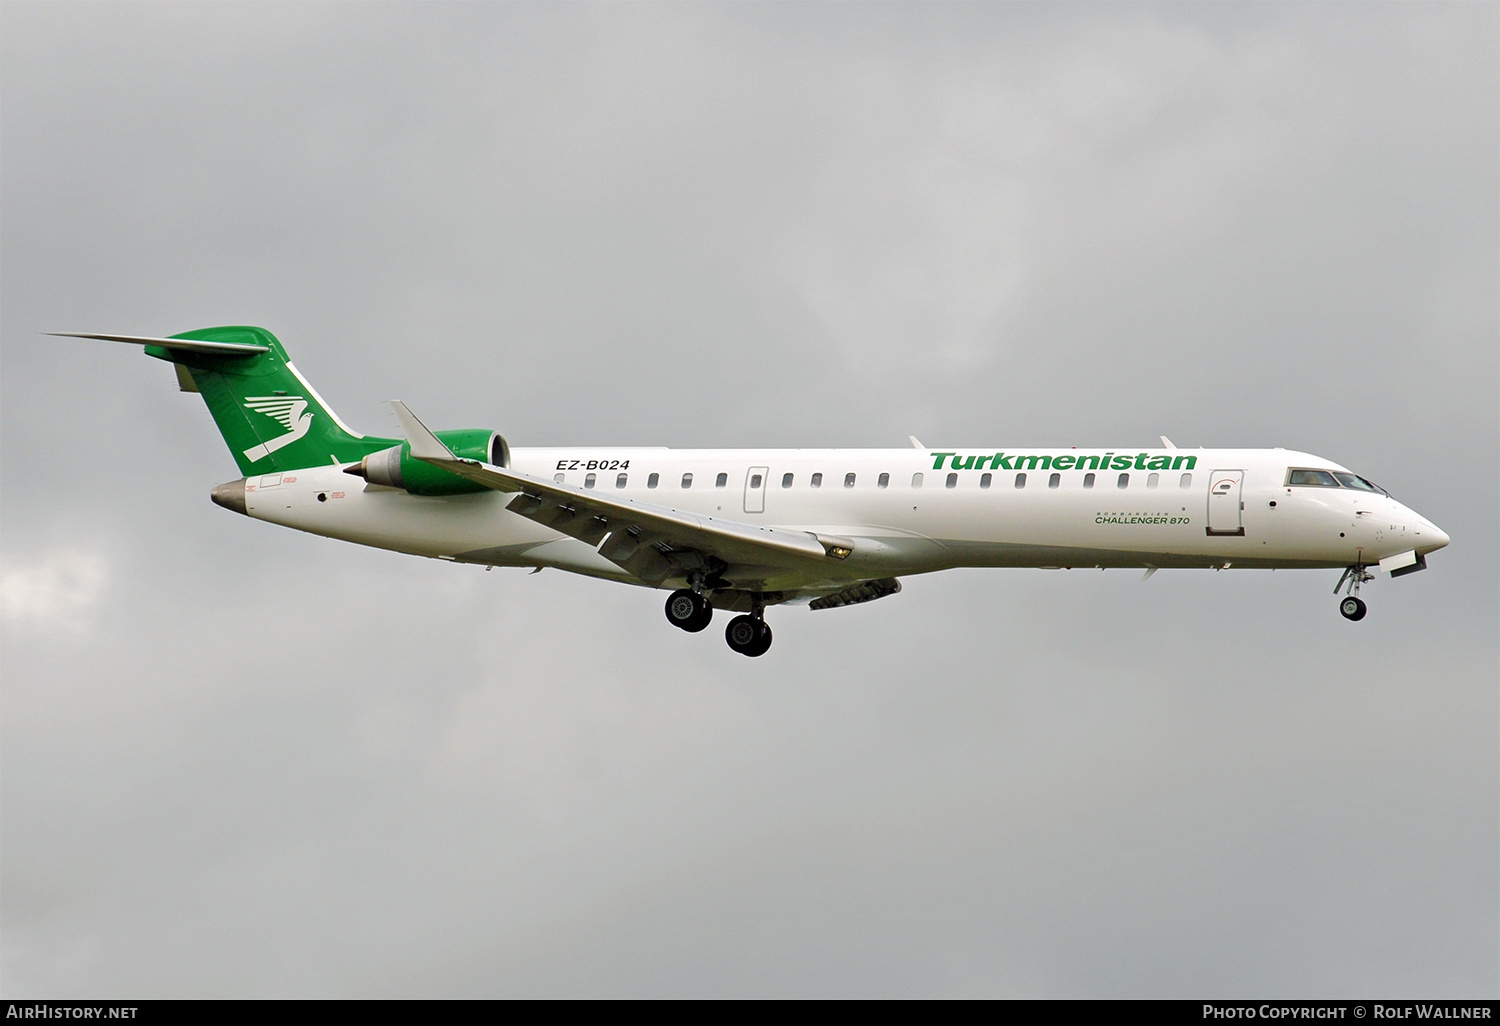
{"points": [[648, 541]]}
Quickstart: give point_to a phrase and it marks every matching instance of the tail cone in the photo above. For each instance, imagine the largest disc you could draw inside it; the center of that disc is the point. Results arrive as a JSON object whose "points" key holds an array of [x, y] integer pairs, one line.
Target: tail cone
{"points": [[231, 495]]}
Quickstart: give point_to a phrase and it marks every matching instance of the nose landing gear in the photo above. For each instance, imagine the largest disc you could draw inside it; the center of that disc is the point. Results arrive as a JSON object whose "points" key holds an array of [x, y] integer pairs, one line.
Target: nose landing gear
{"points": [[1352, 606]]}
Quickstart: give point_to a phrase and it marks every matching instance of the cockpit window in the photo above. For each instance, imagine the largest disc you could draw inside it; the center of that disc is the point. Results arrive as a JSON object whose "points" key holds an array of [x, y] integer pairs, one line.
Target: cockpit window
{"points": [[1332, 479], [1355, 481]]}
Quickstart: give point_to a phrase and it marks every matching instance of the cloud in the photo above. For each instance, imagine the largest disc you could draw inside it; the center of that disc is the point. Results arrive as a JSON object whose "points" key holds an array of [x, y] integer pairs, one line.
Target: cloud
{"points": [[56, 592]]}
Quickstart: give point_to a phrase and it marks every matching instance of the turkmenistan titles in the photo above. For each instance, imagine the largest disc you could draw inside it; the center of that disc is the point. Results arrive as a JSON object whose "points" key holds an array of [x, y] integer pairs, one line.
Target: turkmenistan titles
{"points": [[1063, 461]]}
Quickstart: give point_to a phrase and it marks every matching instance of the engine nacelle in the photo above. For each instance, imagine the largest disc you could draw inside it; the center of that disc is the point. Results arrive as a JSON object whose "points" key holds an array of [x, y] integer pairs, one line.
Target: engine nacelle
{"points": [[395, 467]]}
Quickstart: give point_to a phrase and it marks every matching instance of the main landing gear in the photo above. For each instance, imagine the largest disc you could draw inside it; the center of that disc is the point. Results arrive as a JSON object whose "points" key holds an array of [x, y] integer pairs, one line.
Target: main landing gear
{"points": [[748, 635], [1352, 606], [691, 611]]}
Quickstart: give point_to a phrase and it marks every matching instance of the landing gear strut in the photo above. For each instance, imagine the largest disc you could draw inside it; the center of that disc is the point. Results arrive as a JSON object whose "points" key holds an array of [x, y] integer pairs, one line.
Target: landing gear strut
{"points": [[689, 610], [1352, 606]]}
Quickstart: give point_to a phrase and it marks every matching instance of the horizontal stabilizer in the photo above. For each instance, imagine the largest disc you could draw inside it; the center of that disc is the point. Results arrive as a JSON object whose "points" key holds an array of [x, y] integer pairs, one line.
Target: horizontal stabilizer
{"points": [[186, 344]]}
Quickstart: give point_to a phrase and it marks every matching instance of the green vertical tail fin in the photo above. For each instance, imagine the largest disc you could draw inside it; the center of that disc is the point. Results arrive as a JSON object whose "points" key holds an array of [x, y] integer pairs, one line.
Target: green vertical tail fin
{"points": [[270, 416]]}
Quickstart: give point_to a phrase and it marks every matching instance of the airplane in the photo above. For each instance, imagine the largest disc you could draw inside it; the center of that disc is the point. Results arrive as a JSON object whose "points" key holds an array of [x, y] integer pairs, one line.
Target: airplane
{"points": [[741, 530]]}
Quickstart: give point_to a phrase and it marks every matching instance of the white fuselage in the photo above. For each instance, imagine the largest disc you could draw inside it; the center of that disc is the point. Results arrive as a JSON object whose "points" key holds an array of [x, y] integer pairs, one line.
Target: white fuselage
{"points": [[906, 510]]}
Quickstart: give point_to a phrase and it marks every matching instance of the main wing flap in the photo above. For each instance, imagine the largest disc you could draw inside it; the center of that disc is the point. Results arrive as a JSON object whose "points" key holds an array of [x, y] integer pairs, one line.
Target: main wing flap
{"points": [[861, 591]]}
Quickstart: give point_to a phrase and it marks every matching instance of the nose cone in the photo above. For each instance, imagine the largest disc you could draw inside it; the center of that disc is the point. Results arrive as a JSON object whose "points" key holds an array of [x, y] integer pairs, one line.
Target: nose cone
{"points": [[1430, 537]]}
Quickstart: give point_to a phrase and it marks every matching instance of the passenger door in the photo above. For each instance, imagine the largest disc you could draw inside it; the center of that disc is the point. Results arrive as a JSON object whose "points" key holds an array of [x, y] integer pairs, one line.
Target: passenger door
{"points": [[755, 489], [1224, 502]]}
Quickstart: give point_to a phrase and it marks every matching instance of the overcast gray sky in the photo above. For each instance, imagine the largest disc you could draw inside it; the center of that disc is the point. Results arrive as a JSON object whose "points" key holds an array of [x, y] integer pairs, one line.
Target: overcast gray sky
{"points": [[235, 760]]}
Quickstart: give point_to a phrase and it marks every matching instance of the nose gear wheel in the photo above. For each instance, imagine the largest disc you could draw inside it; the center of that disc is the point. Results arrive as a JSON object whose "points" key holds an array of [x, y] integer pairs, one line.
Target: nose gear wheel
{"points": [[1352, 607]]}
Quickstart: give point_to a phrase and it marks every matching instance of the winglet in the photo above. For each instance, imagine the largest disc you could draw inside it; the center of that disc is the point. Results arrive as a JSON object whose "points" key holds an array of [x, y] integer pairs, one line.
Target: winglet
{"points": [[914, 443], [424, 444], [1168, 443]]}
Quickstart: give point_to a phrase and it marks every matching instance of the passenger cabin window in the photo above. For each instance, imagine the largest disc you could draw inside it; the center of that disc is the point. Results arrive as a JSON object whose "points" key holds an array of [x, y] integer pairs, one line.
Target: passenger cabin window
{"points": [[754, 480], [721, 480], [1020, 480], [1153, 480], [687, 480], [620, 481], [1054, 480], [884, 481], [588, 481], [786, 480], [653, 480], [916, 480], [848, 480], [559, 477], [952, 481], [985, 479], [816, 481], [1124, 481], [1088, 480], [1186, 482]]}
